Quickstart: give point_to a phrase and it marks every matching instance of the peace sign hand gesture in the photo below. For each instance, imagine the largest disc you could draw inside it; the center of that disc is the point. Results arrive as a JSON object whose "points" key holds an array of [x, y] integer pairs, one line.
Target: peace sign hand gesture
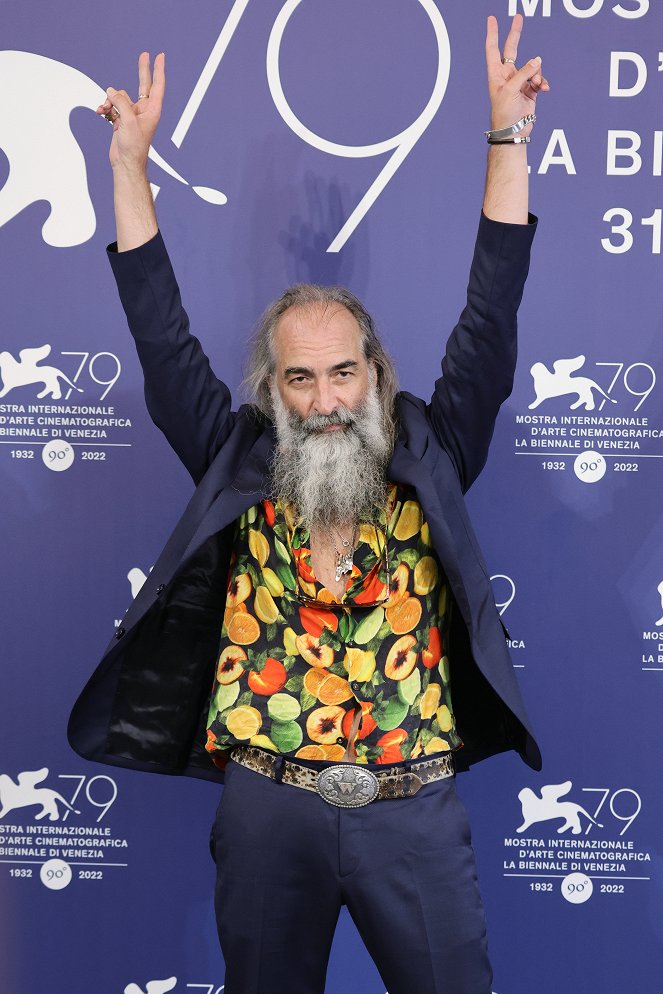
{"points": [[512, 91], [134, 124]]}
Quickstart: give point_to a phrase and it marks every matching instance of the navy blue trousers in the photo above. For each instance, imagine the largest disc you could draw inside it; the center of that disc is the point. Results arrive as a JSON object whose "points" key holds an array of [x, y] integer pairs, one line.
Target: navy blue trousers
{"points": [[287, 861]]}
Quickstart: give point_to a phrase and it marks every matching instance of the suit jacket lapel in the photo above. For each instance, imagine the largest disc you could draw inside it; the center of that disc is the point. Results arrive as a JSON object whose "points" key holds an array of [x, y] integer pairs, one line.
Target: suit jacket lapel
{"points": [[406, 468], [248, 488]]}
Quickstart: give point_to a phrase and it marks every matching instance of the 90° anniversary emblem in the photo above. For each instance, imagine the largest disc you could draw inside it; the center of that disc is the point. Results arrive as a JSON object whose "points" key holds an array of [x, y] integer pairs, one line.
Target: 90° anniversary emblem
{"points": [[347, 787]]}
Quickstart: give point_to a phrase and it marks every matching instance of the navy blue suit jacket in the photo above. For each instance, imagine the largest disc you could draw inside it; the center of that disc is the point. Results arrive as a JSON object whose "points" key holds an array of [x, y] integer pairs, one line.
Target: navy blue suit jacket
{"points": [[146, 703]]}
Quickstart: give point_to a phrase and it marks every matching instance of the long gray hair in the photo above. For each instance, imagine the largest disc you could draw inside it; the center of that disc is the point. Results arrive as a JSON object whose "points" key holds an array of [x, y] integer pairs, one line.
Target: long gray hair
{"points": [[260, 365]]}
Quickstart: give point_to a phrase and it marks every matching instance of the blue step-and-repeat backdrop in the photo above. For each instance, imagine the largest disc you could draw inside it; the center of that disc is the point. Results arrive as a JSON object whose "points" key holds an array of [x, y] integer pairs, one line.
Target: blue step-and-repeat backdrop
{"points": [[336, 141]]}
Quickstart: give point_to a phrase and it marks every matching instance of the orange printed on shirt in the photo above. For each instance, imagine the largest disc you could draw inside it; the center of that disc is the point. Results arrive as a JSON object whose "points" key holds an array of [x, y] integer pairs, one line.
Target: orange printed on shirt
{"points": [[298, 666]]}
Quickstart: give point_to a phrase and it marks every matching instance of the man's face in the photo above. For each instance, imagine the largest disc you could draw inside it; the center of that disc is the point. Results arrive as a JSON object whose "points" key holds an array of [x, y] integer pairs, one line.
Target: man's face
{"points": [[319, 362], [332, 439]]}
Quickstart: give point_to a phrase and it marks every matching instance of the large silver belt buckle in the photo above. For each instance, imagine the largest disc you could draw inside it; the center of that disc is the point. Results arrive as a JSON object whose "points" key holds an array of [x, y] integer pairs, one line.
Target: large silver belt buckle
{"points": [[347, 786]]}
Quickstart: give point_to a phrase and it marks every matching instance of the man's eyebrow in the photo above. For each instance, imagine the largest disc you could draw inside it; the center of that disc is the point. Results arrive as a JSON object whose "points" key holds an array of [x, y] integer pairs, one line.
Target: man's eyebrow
{"points": [[307, 371], [346, 364], [297, 371]]}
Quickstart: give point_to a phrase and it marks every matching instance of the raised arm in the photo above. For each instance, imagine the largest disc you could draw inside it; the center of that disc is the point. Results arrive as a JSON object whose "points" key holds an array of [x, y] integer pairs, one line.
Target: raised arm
{"points": [[134, 127], [479, 363], [513, 95], [184, 397]]}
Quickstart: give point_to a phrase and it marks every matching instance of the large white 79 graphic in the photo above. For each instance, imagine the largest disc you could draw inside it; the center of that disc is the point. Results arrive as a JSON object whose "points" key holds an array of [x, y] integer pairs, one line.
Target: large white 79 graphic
{"points": [[401, 144]]}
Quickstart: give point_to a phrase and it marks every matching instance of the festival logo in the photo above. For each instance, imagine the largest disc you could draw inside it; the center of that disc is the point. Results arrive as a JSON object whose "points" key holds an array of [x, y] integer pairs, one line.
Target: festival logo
{"points": [[660, 594], [47, 163], [577, 842], [60, 407], [549, 807], [592, 419], [169, 984], [153, 987], [504, 592], [26, 794], [651, 659], [562, 383], [45, 160], [136, 577], [27, 371], [59, 831]]}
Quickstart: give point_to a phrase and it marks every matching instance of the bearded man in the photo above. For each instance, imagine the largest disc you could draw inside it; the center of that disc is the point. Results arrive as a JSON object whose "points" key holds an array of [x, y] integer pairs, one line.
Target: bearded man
{"points": [[324, 581]]}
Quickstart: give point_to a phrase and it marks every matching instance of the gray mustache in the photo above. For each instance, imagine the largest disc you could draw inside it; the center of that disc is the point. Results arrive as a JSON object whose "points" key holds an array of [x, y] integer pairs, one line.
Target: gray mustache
{"points": [[316, 423]]}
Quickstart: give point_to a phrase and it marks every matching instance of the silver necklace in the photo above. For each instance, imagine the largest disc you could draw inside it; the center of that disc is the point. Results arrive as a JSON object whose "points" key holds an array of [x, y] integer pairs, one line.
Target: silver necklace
{"points": [[344, 558]]}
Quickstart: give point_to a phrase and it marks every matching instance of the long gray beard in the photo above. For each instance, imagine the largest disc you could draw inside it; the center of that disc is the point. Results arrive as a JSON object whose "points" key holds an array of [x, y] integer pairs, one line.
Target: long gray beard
{"points": [[335, 478]]}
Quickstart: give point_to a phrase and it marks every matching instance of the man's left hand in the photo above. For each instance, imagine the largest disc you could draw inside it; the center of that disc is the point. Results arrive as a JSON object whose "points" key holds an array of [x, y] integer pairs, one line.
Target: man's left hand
{"points": [[512, 91]]}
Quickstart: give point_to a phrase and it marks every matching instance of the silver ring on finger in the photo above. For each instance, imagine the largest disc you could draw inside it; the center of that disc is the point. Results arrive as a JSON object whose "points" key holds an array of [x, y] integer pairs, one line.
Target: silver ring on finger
{"points": [[143, 96], [505, 61], [112, 115]]}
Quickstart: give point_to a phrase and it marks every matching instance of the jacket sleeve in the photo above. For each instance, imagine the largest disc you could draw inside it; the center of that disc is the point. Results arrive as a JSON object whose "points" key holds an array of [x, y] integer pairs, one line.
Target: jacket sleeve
{"points": [[480, 359], [185, 399]]}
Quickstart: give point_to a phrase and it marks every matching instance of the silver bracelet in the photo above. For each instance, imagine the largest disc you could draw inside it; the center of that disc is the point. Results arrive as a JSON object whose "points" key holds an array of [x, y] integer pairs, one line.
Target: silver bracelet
{"points": [[513, 130], [518, 140]]}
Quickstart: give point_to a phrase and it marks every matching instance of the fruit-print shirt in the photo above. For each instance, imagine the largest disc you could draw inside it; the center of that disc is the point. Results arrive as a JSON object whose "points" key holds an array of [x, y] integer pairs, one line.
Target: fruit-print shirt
{"points": [[296, 663]]}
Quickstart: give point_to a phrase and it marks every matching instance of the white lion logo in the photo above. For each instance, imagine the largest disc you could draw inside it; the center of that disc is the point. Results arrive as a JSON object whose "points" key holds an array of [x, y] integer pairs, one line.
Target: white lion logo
{"points": [[548, 807], [26, 371], [660, 593], [136, 579], [561, 382], [153, 987], [25, 793], [45, 159]]}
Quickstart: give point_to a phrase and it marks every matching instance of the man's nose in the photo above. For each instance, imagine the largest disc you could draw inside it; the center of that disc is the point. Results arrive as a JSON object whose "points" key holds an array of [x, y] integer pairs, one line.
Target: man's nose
{"points": [[325, 401]]}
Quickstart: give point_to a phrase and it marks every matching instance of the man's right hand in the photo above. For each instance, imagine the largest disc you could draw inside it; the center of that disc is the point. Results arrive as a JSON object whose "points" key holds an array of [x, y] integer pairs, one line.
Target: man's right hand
{"points": [[134, 129], [134, 125]]}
